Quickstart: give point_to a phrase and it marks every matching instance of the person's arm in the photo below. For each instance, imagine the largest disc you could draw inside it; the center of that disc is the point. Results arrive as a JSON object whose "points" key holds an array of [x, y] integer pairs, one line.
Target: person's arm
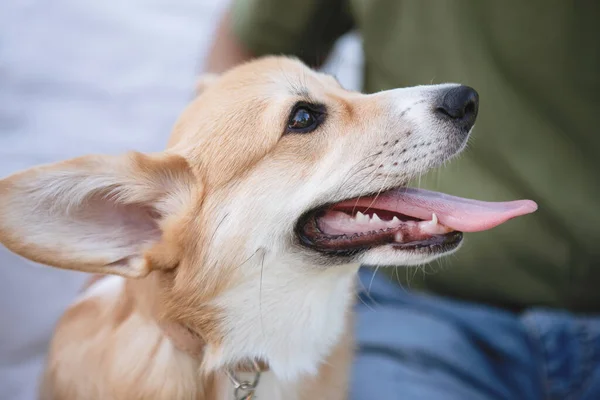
{"points": [[253, 28], [226, 50]]}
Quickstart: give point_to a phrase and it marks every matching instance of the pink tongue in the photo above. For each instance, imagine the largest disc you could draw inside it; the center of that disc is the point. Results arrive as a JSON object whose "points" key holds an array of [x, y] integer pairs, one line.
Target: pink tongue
{"points": [[457, 213]]}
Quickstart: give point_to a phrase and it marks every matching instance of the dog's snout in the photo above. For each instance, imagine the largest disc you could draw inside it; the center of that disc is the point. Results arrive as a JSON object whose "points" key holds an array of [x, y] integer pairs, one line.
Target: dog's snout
{"points": [[459, 104]]}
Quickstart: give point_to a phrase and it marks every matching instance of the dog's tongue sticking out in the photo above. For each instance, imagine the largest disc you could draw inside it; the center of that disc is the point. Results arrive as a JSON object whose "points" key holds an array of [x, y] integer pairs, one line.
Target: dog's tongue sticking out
{"points": [[455, 213]]}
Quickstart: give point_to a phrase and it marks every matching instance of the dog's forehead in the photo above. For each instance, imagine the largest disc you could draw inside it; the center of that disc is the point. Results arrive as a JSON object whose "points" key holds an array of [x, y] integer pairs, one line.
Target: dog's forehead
{"points": [[273, 76], [241, 117]]}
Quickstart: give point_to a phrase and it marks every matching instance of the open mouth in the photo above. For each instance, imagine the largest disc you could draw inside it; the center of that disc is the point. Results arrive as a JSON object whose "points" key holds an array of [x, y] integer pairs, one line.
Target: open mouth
{"points": [[405, 218]]}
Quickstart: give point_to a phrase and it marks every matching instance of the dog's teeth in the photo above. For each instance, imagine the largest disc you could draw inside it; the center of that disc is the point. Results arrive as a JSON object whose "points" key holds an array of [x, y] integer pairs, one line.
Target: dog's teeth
{"points": [[398, 237], [433, 227], [395, 220], [360, 217], [375, 218], [430, 224]]}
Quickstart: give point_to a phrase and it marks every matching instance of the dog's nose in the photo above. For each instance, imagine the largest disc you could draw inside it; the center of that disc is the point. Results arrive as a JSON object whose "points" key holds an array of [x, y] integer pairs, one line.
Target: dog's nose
{"points": [[459, 104]]}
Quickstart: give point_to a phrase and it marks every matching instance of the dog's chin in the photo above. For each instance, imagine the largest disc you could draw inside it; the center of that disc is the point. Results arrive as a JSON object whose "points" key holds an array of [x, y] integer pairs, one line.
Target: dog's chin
{"points": [[390, 255]]}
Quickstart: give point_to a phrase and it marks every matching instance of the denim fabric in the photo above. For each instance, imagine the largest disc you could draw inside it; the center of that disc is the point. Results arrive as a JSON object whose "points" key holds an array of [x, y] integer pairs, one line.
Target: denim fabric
{"points": [[414, 346]]}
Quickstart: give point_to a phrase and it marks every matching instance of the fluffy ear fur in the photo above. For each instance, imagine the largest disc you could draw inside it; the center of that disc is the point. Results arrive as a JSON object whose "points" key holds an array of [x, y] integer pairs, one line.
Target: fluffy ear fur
{"points": [[98, 214]]}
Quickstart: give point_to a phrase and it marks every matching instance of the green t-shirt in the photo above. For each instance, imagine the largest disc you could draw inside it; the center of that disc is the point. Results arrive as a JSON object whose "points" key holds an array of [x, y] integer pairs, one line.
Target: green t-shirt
{"points": [[536, 66]]}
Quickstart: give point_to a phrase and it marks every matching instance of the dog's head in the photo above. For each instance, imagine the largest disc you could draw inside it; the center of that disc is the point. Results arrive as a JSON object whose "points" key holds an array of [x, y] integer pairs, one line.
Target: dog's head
{"points": [[276, 184]]}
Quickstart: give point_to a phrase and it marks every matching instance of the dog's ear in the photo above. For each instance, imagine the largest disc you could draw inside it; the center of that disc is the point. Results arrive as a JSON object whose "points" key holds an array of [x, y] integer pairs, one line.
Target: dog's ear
{"points": [[204, 82], [100, 214]]}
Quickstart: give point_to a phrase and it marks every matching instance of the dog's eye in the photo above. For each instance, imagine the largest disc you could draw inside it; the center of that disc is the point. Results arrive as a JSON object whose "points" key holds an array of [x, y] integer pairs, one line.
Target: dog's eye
{"points": [[303, 119]]}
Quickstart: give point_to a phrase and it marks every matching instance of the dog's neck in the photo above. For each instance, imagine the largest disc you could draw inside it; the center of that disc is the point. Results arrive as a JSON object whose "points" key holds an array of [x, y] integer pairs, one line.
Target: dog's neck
{"points": [[289, 319], [300, 326], [191, 343]]}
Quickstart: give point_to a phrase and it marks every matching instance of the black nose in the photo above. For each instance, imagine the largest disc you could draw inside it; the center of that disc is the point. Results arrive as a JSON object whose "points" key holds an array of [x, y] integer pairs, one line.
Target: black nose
{"points": [[459, 104]]}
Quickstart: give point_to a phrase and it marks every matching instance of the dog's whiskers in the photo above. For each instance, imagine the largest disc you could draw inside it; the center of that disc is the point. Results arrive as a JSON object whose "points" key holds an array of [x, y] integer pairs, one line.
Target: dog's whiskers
{"points": [[362, 301], [248, 259], [379, 192], [396, 274], [262, 267], [360, 170], [217, 228], [367, 294], [372, 177], [350, 174], [373, 278]]}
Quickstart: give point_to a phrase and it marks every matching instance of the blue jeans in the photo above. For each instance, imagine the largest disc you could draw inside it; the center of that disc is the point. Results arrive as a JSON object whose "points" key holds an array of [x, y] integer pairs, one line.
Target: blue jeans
{"points": [[413, 346]]}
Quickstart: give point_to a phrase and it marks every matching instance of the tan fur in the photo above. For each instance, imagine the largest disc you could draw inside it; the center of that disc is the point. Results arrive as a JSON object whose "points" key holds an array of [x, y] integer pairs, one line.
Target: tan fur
{"points": [[129, 357], [109, 344]]}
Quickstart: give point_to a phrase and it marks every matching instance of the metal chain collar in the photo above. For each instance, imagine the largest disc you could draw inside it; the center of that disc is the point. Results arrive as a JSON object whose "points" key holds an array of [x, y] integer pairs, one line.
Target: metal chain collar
{"points": [[244, 390]]}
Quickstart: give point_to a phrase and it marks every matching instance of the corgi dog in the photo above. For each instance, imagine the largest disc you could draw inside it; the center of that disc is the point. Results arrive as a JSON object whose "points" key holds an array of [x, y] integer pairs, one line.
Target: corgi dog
{"points": [[228, 261]]}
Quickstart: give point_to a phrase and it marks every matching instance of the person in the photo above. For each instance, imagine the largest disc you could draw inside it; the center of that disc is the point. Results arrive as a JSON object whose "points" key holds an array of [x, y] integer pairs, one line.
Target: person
{"points": [[516, 313]]}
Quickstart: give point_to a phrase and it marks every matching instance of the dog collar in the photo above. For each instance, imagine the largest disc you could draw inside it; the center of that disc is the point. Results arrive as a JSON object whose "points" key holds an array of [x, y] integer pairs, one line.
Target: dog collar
{"points": [[188, 341]]}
